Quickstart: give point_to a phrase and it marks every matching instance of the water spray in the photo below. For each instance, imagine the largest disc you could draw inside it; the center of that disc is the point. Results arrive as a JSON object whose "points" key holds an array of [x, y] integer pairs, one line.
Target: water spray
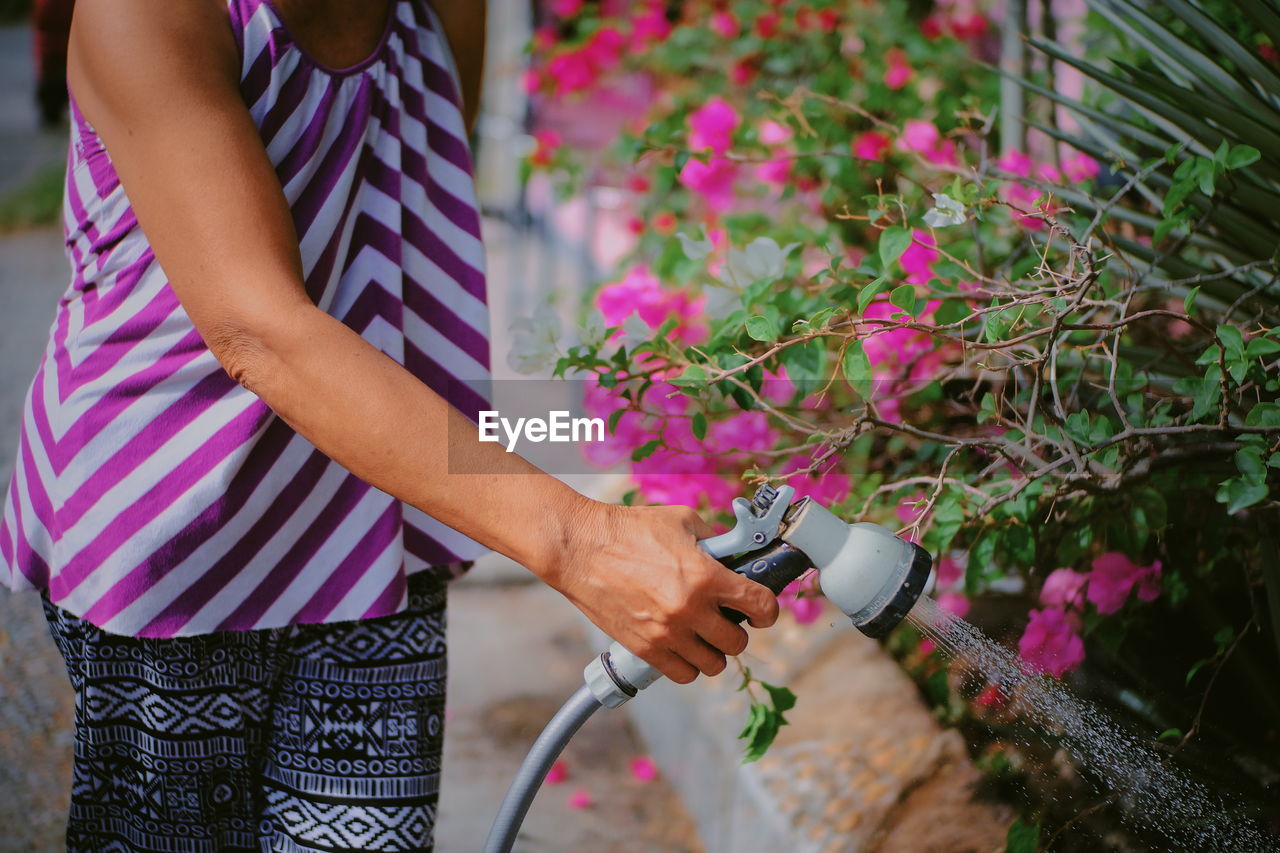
{"points": [[873, 576]]}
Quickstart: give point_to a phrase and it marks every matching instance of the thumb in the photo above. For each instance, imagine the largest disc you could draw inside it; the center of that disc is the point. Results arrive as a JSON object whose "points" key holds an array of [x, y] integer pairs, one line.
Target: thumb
{"points": [[753, 600]]}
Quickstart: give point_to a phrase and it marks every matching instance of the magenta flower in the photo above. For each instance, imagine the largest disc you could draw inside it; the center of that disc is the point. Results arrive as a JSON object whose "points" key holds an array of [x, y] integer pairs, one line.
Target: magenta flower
{"points": [[565, 8], [949, 571], [870, 145], [580, 799], [644, 769], [917, 261], [572, 71], [773, 133], [1114, 576], [741, 435], [1064, 589], [919, 136], [1050, 642], [803, 598], [774, 171], [558, 773], [712, 126], [713, 181], [1080, 167], [954, 603], [899, 71], [724, 24], [826, 487]]}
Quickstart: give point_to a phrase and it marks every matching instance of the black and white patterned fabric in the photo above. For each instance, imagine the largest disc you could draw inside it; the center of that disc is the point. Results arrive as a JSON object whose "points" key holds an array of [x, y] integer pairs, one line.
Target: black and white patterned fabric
{"points": [[301, 739]]}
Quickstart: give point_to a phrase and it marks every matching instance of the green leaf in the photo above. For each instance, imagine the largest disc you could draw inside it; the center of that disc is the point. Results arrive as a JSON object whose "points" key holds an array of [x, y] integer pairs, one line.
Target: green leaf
{"points": [[699, 426], [783, 699], [646, 450], [869, 292], [857, 369], [1241, 156], [614, 417], [904, 296], [1189, 303], [1022, 837], [1259, 347], [1170, 734], [762, 329], [692, 375], [893, 242], [1232, 341], [1239, 494], [1250, 464]]}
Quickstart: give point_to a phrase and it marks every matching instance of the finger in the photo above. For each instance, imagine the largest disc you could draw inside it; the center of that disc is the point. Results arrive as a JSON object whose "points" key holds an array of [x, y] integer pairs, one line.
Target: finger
{"points": [[749, 598], [719, 633], [671, 665], [696, 651], [695, 524]]}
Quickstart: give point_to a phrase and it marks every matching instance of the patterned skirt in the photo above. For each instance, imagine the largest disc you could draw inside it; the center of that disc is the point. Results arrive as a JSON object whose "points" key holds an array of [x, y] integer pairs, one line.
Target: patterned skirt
{"points": [[299, 739]]}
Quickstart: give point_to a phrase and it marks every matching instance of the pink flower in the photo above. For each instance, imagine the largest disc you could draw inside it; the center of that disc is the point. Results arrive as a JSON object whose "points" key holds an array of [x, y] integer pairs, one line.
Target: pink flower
{"points": [[907, 511], [565, 8], [954, 603], [1114, 576], [650, 27], [558, 773], [1050, 642], [724, 24], [740, 435], [923, 137], [1080, 167], [713, 181], [870, 145], [1015, 163], [826, 487], [774, 172], [899, 71], [604, 49], [1064, 589], [640, 292], [644, 769], [803, 598], [828, 20], [572, 71], [530, 81], [917, 261], [544, 38], [919, 136], [926, 646], [546, 143], [767, 25], [712, 126], [580, 799], [743, 72], [949, 571], [773, 133], [990, 697]]}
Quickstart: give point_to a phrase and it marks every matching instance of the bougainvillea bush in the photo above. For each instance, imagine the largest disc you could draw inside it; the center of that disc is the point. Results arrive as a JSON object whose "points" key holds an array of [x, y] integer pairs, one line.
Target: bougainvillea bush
{"points": [[840, 280]]}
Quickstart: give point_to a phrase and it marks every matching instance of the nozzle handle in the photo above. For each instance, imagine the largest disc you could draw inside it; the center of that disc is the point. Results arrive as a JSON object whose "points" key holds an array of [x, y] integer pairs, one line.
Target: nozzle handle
{"points": [[617, 675]]}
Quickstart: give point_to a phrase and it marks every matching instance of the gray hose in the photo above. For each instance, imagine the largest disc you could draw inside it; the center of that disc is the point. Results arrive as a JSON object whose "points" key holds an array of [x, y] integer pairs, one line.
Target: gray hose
{"points": [[545, 750]]}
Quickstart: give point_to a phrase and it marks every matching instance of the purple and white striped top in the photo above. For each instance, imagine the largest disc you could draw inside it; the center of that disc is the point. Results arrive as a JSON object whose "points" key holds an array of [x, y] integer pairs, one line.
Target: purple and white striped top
{"points": [[154, 496]]}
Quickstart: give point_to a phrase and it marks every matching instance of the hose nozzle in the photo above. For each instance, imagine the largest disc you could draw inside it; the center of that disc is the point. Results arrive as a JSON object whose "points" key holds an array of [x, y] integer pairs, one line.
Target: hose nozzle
{"points": [[865, 570]]}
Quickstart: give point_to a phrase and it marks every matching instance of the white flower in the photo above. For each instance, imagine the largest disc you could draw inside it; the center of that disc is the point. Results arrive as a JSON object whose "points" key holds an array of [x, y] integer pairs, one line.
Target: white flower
{"points": [[535, 344], [635, 331], [592, 331], [946, 211], [695, 250], [762, 259]]}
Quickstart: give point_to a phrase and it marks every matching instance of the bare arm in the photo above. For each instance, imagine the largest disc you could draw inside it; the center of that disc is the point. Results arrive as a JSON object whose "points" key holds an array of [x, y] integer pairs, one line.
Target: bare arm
{"points": [[159, 81]]}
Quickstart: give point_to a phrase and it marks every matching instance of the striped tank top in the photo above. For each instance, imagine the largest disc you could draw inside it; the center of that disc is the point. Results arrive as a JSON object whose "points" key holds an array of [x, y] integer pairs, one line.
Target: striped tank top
{"points": [[153, 495]]}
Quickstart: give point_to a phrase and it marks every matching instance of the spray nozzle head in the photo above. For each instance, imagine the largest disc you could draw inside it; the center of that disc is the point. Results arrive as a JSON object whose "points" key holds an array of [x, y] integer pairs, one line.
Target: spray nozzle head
{"points": [[869, 573]]}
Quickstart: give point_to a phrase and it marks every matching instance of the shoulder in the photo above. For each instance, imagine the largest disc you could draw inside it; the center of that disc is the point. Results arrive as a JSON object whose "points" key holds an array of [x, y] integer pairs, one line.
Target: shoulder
{"points": [[134, 51]]}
